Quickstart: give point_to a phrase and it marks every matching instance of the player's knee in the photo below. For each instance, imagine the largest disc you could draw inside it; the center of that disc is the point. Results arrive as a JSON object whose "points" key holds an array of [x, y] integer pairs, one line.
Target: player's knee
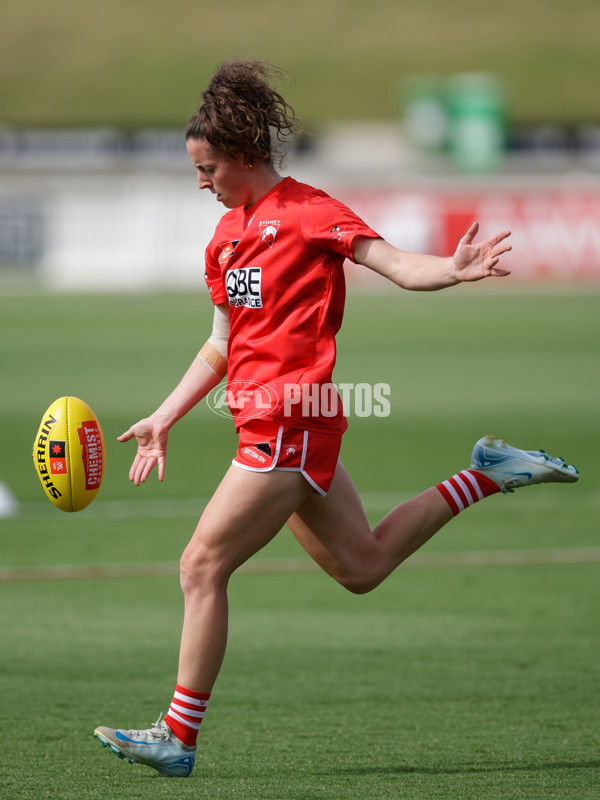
{"points": [[359, 572], [360, 586], [189, 571], [199, 568], [361, 581]]}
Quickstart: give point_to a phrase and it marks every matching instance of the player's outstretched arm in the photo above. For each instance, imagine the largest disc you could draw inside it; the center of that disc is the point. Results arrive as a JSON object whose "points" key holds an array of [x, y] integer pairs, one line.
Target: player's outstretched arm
{"points": [[472, 261]]}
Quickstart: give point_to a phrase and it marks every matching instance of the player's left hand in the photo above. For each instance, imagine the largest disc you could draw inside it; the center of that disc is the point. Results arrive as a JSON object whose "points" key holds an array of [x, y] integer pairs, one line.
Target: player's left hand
{"points": [[477, 260]]}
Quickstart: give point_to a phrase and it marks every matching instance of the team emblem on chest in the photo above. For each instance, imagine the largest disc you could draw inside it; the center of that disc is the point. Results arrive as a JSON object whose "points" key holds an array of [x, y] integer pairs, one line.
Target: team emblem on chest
{"points": [[268, 230]]}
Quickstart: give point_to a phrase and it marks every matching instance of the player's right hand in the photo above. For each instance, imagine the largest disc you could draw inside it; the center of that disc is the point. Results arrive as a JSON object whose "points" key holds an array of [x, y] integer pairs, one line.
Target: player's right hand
{"points": [[152, 449]]}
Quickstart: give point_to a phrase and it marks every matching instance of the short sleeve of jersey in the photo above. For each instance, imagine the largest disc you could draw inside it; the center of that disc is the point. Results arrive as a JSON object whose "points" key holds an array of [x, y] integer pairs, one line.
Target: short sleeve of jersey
{"points": [[213, 277], [329, 224]]}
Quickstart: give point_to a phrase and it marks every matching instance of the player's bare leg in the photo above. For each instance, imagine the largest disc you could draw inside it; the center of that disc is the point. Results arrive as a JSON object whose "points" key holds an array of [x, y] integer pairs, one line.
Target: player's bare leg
{"points": [[334, 530], [245, 513]]}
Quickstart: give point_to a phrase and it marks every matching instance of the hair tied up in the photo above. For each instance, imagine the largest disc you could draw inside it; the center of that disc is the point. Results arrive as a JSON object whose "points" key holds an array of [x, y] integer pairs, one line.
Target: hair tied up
{"points": [[243, 115]]}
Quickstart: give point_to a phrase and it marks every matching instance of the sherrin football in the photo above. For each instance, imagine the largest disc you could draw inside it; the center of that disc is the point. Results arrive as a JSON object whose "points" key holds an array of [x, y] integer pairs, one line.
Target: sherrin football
{"points": [[69, 454]]}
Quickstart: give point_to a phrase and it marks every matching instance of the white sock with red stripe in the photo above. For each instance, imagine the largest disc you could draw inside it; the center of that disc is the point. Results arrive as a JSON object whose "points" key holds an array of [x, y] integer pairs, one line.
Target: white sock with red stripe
{"points": [[465, 488], [185, 714]]}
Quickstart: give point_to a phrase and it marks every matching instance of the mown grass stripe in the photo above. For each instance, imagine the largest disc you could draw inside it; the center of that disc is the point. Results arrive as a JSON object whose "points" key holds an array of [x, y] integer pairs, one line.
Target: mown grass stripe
{"points": [[156, 508], [258, 566]]}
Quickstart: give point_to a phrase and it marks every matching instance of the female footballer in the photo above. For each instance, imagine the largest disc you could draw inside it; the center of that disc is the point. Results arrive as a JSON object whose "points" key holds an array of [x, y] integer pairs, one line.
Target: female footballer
{"points": [[274, 270]]}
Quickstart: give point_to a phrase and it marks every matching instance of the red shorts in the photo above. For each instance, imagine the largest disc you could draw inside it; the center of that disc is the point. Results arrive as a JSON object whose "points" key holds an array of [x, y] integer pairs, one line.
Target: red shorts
{"points": [[264, 446]]}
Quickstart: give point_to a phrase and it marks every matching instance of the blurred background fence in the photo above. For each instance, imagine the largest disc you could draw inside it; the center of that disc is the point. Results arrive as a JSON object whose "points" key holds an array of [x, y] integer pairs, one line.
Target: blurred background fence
{"points": [[422, 119], [78, 211]]}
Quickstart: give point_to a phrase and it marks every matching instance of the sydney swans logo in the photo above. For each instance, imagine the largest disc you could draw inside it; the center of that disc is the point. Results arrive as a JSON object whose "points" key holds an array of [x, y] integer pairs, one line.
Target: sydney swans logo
{"points": [[268, 230]]}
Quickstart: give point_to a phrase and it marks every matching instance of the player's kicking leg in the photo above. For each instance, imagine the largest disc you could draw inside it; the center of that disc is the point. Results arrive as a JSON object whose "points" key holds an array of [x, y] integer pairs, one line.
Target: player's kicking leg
{"points": [[334, 529]]}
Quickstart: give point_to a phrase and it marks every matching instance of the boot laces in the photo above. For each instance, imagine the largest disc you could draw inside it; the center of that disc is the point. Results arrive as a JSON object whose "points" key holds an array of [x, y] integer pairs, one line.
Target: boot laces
{"points": [[159, 731]]}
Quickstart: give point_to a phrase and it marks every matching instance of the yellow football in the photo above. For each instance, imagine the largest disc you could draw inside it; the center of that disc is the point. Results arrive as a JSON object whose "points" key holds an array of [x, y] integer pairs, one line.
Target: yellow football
{"points": [[69, 454]]}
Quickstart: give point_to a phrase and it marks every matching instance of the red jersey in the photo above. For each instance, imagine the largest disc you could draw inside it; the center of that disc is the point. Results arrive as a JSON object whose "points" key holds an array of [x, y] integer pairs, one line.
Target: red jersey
{"points": [[279, 266]]}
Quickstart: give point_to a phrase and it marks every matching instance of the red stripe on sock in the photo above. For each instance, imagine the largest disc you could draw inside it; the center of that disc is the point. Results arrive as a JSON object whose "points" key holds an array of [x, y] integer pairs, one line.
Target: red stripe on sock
{"points": [[448, 498], [195, 702], [486, 484], [462, 489], [192, 693], [459, 492]]}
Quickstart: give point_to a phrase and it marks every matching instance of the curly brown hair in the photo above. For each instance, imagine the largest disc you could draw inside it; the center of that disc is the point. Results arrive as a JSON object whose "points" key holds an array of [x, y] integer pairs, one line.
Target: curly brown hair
{"points": [[240, 111]]}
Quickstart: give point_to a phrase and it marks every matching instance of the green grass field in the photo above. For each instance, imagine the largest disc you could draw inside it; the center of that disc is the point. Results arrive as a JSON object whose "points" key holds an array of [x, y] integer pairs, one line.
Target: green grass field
{"points": [[471, 674], [137, 64]]}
